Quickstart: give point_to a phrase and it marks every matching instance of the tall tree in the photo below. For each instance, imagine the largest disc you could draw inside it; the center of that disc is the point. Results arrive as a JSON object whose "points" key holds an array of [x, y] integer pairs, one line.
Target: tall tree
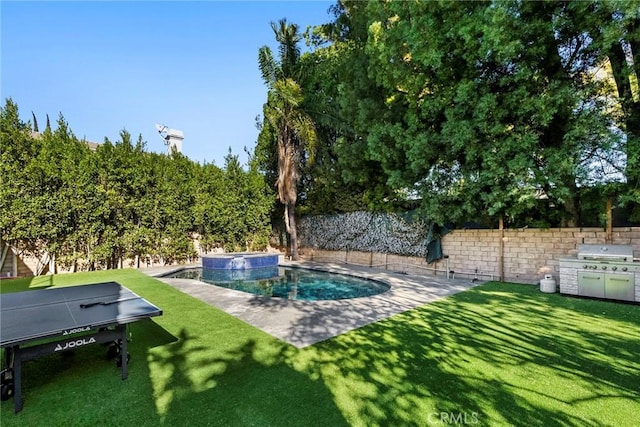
{"points": [[35, 122], [343, 177], [479, 108], [95, 209], [293, 127], [17, 149], [614, 28], [53, 203]]}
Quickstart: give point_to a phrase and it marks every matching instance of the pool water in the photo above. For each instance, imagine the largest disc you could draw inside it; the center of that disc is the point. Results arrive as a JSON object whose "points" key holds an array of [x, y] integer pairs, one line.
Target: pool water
{"points": [[287, 282]]}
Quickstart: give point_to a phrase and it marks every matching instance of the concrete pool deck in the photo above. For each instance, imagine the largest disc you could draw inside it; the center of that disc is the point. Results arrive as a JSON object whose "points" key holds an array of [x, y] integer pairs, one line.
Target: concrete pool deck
{"points": [[303, 323]]}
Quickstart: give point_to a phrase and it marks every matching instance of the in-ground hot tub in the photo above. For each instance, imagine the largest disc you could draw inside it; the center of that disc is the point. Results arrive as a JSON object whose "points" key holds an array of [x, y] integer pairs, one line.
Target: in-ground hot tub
{"points": [[240, 261]]}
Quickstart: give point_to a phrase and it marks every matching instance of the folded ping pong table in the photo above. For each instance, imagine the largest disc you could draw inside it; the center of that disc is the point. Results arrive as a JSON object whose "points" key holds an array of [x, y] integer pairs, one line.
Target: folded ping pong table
{"points": [[41, 322]]}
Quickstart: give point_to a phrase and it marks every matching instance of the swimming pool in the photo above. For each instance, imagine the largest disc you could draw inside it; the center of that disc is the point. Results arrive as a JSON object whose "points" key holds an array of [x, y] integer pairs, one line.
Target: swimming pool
{"points": [[287, 282]]}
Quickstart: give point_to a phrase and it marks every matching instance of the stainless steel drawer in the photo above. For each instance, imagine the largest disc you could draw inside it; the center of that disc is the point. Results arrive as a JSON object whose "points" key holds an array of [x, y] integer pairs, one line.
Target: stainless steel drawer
{"points": [[591, 284], [619, 286]]}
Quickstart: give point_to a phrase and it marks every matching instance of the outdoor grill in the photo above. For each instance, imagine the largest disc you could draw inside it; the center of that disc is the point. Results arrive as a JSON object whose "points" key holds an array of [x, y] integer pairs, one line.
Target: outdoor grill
{"points": [[601, 271], [619, 253]]}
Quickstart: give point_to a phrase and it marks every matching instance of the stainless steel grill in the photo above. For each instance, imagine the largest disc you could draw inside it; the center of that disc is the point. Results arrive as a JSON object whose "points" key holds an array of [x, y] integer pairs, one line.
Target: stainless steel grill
{"points": [[619, 253], [604, 271]]}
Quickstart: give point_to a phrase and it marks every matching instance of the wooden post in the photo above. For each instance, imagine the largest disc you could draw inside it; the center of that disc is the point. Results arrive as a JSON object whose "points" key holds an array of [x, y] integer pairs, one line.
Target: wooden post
{"points": [[501, 249], [609, 236]]}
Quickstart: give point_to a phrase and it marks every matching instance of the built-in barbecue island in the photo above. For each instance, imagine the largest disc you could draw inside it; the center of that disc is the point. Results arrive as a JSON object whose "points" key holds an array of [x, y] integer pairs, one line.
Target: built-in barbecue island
{"points": [[602, 271]]}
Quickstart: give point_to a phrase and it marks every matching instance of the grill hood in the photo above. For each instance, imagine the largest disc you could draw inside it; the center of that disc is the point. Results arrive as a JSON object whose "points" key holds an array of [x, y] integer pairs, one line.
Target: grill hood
{"points": [[606, 252]]}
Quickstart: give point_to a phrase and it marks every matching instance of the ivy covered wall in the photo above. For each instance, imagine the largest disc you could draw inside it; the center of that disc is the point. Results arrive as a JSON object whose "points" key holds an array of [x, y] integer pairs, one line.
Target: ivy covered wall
{"points": [[400, 234]]}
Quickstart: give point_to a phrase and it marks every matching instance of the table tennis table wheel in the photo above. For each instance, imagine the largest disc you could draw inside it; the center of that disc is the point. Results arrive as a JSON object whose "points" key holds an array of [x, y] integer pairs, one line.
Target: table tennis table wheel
{"points": [[119, 360], [6, 391], [113, 351], [6, 385]]}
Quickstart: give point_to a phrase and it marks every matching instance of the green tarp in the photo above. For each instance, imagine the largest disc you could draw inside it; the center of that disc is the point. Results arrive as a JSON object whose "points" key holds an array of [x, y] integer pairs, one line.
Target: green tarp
{"points": [[434, 242]]}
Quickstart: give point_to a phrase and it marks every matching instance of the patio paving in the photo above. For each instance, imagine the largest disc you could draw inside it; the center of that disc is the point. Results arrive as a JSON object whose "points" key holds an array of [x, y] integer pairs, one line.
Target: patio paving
{"points": [[303, 323]]}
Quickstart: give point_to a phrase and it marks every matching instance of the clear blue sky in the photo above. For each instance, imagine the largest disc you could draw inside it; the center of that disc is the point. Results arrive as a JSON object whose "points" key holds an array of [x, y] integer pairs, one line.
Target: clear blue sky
{"points": [[108, 66]]}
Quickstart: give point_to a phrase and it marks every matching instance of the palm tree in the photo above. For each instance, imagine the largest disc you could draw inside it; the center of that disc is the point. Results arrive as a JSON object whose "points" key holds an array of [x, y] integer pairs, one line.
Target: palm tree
{"points": [[294, 129]]}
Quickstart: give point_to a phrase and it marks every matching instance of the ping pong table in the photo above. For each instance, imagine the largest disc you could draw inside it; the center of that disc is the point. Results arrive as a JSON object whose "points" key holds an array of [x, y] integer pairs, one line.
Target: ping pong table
{"points": [[40, 322]]}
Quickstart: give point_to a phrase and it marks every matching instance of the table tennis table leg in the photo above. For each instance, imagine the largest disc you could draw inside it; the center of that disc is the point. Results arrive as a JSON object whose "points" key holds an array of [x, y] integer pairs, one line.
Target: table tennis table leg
{"points": [[17, 381], [11, 381], [123, 351]]}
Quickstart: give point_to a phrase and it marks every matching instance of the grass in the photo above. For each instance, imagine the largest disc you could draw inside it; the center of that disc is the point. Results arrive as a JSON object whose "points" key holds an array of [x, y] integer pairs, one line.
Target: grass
{"points": [[499, 354]]}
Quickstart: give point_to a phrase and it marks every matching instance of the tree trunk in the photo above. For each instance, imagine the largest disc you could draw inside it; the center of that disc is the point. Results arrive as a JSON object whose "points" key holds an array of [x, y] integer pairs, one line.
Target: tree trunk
{"points": [[623, 74], [572, 205], [552, 135], [293, 232], [631, 110]]}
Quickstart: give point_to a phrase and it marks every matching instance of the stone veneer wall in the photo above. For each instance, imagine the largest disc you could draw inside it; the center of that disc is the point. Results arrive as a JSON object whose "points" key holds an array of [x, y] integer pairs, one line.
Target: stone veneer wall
{"points": [[527, 254], [568, 280]]}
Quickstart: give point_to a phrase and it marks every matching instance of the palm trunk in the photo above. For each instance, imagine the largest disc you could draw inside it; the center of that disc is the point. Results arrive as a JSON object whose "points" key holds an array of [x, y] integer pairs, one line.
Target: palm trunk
{"points": [[293, 233]]}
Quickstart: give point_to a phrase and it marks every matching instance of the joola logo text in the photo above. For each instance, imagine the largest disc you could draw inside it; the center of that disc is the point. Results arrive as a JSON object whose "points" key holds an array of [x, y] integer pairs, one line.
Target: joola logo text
{"points": [[73, 344], [76, 330]]}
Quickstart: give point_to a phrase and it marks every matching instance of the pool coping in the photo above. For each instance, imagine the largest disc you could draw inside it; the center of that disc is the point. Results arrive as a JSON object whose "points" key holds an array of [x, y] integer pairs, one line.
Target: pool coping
{"points": [[304, 323]]}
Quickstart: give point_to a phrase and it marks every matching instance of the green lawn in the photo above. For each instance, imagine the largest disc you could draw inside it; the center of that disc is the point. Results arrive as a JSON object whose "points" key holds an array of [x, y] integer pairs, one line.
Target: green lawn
{"points": [[499, 354]]}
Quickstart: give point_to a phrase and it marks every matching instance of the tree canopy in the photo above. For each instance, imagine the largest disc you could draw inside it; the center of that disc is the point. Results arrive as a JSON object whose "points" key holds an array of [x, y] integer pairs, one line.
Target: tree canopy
{"points": [[466, 111], [479, 110], [93, 210]]}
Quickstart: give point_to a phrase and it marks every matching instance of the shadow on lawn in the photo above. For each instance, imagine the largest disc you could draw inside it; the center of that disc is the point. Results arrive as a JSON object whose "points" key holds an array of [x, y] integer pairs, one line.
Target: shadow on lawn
{"points": [[249, 384], [176, 380], [203, 369], [497, 355]]}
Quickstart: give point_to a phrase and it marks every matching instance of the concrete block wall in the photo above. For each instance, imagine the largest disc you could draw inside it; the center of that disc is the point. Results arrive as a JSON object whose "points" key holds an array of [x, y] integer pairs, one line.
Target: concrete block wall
{"points": [[527, 254], [405, 264], [8, 268], [17, 265], [26, 266]]}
